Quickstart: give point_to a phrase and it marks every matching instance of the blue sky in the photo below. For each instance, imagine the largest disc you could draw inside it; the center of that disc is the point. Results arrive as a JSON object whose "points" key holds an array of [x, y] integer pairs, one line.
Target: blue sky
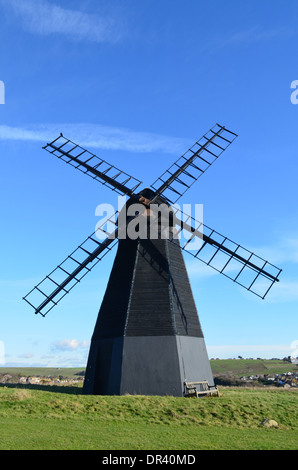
{"points": [[138, 82]]}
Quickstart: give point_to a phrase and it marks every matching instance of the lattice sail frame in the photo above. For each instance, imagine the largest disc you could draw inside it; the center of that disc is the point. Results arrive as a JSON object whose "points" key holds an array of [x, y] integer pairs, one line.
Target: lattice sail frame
{"points": [[74, 268], [93, 166], [219, 252], [231, 259], [197, 160]]}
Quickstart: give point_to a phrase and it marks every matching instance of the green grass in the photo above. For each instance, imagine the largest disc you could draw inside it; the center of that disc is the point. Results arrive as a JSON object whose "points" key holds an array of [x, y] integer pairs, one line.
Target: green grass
{"points": [[42, 419], [42, 371], [235, 367], [239, 367]]}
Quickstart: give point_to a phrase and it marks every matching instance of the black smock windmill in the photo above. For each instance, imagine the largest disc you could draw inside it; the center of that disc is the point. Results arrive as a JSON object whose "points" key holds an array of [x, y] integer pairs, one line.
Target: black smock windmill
{"points": [[148, 339]]}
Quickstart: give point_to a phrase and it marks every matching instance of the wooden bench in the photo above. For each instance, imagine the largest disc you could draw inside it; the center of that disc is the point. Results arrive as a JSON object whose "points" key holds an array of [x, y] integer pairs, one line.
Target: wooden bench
{"points": [[196, 389]]}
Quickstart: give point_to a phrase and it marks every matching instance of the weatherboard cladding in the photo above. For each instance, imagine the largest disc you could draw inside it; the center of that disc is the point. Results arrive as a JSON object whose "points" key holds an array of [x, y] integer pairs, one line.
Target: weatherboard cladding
{"points": [[148, 293], [183, 304], [150, 312], [113, 311]]}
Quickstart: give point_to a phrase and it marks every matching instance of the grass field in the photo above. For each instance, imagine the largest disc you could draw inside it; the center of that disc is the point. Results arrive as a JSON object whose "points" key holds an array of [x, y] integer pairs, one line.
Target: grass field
{"points": [[239, 367], [63, 418], [42, 371], [234, 367]]}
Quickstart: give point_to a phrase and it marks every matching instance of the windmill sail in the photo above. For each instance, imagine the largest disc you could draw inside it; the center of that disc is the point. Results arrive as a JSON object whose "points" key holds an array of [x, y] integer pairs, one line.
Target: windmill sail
{"points": [[229, 258], [148, 339], [91, 165], [175, 181], [217, 251], [71, 271]]}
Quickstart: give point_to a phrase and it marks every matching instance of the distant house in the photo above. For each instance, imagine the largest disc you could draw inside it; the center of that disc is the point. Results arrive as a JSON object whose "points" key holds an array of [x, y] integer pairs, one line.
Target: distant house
{"points": [[6, 378], [33, 380]]}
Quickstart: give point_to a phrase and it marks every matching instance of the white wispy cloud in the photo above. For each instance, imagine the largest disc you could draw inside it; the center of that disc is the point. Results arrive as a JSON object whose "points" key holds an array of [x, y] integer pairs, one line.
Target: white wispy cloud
{"points": [[283, 251], [197, 269], [252, 35], [251, 350], [97, 136], [284, 291], [46, 18], [69, 345], [26, 356]]}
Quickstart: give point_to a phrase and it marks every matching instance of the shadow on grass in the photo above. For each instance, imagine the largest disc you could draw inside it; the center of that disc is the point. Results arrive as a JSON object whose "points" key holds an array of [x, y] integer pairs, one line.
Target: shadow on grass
{"points": [[71, 390]]}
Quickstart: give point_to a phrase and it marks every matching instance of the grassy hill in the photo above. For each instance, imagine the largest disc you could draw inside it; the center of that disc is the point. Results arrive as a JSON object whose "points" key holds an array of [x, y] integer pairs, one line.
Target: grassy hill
{"points": [[42, 371], [230, 367], [53, 417], [239, 367], [43, 419]]}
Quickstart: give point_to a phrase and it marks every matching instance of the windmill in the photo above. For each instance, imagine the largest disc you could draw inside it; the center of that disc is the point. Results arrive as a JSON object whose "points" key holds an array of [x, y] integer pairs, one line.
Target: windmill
{"points": [[148, 338]]}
